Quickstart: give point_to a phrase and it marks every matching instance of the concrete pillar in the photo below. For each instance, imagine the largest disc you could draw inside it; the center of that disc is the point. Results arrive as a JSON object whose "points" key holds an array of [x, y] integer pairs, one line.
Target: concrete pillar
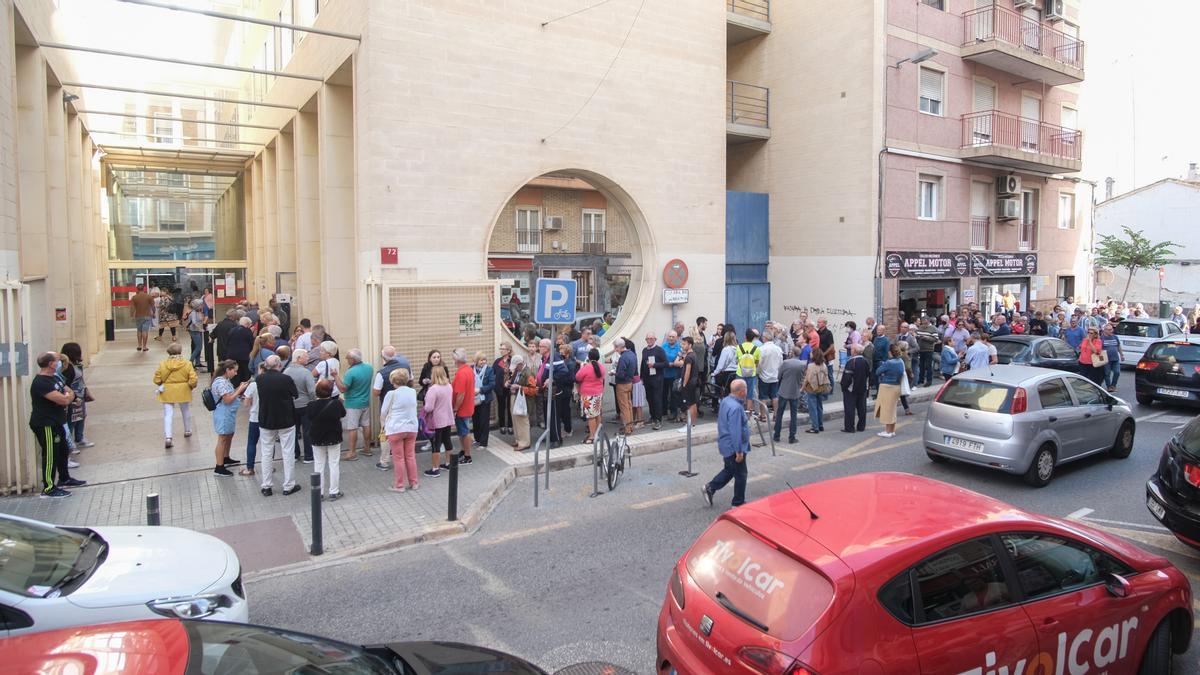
{"points": [[270, 223], [340, 280], [308, 213], [285, 214], [31, 161], [93, 270], [82, 289], [59, 247]]}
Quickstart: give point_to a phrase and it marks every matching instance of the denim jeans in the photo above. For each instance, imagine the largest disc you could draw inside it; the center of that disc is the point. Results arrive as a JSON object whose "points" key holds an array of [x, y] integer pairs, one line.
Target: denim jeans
{"points": [[1112, 373], [735, 471], [251, 444], [197, 347], [925, 368], [816, 411], [790, 405]]}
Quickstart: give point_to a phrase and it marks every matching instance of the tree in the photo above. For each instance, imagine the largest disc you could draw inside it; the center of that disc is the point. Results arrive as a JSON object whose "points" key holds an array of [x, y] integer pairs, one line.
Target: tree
{"points": [[1133, 252]]}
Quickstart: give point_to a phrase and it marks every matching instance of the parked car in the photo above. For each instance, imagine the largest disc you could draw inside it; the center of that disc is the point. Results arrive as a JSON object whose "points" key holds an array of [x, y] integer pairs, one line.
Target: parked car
{"points": [[1041, 351], [1169, 371], [174, 647], [1136, 334], [1173, 492], [929, 578], [1025, 420], [52, 577]]}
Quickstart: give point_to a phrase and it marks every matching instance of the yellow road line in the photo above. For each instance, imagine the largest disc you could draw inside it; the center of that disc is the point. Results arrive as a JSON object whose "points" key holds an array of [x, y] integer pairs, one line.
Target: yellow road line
{"points": [[659, 502], [853, 450], [799, 453], [521, 534], [761, 476]]}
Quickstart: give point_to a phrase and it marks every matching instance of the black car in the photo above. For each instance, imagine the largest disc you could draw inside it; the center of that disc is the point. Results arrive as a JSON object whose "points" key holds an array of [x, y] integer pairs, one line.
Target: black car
{"points": [[1173, 492], [1042, 351], [1169, 371]]}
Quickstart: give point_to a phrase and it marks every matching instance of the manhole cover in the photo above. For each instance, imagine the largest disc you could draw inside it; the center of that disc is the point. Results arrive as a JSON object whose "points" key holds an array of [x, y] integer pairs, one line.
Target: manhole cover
{"points": [[594, 668]]}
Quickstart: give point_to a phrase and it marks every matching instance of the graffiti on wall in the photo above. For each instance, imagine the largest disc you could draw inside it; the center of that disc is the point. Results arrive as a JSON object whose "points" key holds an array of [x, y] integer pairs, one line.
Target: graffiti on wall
{"points": [[814, 311]]}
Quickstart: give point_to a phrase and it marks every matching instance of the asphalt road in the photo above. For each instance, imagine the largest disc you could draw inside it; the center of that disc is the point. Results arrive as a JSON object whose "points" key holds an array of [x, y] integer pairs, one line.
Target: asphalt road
{"points": [[582, 579]]}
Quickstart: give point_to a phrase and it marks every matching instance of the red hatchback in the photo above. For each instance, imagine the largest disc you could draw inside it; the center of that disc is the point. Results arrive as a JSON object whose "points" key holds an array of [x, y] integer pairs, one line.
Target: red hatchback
{"points": [[894, 573]]}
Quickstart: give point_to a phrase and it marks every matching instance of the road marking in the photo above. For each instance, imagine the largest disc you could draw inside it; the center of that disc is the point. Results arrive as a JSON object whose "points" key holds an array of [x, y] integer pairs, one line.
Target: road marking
{"points": [[1151, 416], [857, 449], [761, 476], [1079, 514], [493, 584], [1156, 528], [1165, 542], [805, 455], [649, 504], [521, 534]]}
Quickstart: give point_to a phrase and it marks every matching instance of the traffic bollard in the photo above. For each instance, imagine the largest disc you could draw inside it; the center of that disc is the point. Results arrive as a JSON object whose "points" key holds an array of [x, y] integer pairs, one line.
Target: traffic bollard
{"points": [[452, 502], [314, 484], [689, 473], [153, 516]]}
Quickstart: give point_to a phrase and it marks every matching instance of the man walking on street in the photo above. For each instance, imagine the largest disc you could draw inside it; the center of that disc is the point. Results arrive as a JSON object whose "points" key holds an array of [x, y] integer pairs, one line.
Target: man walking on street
{"points": [[306, 389], [654, 361], [733, 440], [49, 397], [355, 386], [625, 372], [276, 425], [464, 403], [142, 305], [855, 383]]}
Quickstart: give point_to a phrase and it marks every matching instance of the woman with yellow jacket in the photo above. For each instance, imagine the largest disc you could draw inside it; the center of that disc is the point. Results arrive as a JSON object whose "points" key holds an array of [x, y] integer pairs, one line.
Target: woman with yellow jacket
{"points": [[176, 378]]}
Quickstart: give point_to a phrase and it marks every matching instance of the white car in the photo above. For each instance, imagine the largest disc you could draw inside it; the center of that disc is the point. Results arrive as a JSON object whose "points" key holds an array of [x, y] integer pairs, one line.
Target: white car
{"points": [[56, 577], [1137, 333]]}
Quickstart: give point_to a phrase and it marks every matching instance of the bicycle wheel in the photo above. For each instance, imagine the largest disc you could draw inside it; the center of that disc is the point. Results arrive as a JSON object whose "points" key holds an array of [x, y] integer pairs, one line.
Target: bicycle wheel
{"points": [[601, 458], [615, 465]]}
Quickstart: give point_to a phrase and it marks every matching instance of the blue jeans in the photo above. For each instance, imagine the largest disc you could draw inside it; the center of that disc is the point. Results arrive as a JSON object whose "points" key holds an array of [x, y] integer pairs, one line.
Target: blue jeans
{"points": [[816, 411], [791, 405], [197, 346], [925, 368], [1112, 373], [735, 471], [251, 444]]}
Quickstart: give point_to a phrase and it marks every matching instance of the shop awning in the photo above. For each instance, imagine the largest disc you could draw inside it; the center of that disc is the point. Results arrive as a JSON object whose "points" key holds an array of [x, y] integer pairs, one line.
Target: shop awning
{"points": [[510, 264]]}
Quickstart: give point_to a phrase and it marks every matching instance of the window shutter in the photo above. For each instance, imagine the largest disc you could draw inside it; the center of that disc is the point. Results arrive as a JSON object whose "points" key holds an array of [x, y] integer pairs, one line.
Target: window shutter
{"points": [[931, 84], [985, 97], [1070, 119]]}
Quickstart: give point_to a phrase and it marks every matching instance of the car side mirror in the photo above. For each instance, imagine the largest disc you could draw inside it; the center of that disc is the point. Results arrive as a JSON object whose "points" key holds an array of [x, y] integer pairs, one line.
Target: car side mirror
{"points": [[1117, 585]]}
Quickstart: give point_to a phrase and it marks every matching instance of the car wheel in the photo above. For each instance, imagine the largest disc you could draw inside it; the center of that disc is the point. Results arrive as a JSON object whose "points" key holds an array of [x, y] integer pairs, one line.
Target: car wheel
{"points": [[1144, 399], [1157, 659], [1041, 469], [936, 458], [1124, 443]]}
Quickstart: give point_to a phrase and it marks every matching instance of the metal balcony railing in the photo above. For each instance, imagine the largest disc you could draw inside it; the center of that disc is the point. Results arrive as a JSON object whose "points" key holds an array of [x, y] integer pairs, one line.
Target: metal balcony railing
{"points": [[999, 23], [980, 231], [995, 128], [1027, 237], [755, 9], [747, 104]]}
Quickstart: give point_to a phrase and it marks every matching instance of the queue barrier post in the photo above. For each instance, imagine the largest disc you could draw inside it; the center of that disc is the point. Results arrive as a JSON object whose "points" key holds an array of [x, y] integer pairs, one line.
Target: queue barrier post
{"points": [[153, 515], [314, 491]]}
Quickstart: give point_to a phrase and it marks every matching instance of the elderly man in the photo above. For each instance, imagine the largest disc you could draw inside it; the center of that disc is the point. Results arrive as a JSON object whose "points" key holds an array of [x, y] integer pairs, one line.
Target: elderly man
{"points": [[463, 402], [626, 370], [238, 346], [733, 441], [355, 385], [674, 351], [220, 333], [927, 344], [654, 362], [856, 379], [276, 424], [306, 389]]}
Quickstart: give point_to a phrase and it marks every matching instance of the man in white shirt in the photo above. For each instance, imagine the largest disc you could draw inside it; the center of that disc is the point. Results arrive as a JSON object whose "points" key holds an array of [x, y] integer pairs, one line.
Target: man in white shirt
{"points": [[304, 341], [768, 371], [978, 356], [1069, 305]]}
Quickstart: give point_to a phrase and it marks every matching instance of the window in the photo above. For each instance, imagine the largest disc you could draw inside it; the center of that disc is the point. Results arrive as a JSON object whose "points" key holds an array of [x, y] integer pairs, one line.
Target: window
{"points": [[975, 395], [1086, 392], [593, 231], [133, 213], [1048, 565], [172, 226], [932, 82], [172, 215], [928, 197], [896, 596], [1066, 211], [1053, 394], [1062, 350], [962, 580], [1138, 329], [1027, 237], [936, 4], [164, 129], [1066, 287], [529, 230], [287, 37]]}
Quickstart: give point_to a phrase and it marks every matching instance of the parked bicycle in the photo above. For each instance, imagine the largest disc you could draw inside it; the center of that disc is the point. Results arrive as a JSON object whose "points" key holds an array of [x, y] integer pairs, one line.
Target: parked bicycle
{"points": [[611, 456]]}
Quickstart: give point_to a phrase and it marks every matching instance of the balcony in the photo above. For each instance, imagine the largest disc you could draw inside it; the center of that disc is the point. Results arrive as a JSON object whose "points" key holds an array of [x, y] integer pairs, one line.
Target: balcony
{"points": [[746, 20], [981, 230], [1009, 141], [1005, 40], [747, 112]]}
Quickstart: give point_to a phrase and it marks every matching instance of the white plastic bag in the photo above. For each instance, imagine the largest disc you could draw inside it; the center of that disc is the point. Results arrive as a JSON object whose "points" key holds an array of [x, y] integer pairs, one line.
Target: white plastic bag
{"points": [[520, 407], [905, 389]]}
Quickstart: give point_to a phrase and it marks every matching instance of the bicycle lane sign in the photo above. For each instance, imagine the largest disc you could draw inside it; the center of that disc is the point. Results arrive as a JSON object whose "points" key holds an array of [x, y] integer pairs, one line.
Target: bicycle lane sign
{"points": [[554, 301]]}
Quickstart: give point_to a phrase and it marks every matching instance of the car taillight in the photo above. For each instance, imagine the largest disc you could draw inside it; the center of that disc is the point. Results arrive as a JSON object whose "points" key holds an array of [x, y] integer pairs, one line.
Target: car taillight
{"points": [[771, 662], [942, 389], [677, 588], [1191, 472], [1020, 402], [1147, 365]]}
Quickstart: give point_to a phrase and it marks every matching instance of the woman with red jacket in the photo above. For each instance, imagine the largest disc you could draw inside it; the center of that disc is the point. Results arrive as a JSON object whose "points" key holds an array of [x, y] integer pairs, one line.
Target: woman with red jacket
{"points": [[1089, 348]]}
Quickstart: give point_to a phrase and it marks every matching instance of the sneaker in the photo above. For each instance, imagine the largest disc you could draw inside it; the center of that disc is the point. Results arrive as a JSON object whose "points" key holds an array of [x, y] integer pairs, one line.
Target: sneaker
{"points": [[465, 459], [683, 430], [884, 434], [481, 445], [291, 491], [230, 462], [707, 496], [383, 467], [334, 496], [393, 488], [72, 482], [85, 443], [414, 486], [657, 426], [72, 464], [75, 451], [306, 461], [432, 473], [222, 471], [267, 492], [775, 438], [444, 465], [793, 438], [168, 444], [56, 493]]}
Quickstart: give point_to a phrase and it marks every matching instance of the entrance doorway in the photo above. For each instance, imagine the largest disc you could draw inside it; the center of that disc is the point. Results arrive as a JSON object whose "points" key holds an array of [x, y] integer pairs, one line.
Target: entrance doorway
{"points": [[228, 286], [927, 298], [992, 290]]}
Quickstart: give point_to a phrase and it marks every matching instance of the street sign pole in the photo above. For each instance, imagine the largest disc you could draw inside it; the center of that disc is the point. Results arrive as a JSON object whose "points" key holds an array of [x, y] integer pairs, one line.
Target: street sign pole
{"points": [[554, 305]]}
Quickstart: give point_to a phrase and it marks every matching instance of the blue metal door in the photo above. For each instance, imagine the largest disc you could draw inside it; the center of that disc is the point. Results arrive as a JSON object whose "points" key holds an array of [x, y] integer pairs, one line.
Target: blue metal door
{"points": [[747, 253]]}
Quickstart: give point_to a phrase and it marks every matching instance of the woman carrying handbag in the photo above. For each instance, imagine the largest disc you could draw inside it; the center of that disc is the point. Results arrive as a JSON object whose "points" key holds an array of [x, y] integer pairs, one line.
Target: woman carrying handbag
{"points": [[1092, 357]]}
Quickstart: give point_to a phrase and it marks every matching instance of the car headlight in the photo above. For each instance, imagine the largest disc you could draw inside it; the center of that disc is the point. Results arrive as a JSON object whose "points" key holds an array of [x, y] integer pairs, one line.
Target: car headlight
{"points": [[189, 607]]}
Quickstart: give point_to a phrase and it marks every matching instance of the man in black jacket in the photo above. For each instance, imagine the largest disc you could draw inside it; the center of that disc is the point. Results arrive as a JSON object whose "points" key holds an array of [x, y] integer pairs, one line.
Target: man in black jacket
{"points": [[654, 360], [855, 381], [277, 394], [220, 333], [238, 345]]}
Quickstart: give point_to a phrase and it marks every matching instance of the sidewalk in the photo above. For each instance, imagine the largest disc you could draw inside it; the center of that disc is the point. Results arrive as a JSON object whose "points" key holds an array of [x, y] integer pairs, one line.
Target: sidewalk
{"points": [[269, 533]]}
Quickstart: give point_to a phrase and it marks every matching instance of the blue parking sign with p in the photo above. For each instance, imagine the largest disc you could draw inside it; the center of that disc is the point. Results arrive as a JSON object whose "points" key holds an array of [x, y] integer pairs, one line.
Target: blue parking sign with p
{"points": [[554, 301]]}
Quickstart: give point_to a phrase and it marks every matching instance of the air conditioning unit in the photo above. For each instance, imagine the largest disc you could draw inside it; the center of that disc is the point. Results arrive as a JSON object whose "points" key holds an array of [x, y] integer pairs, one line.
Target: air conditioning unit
{"points": [[1008, 185], [1008, 209], [1023, 4], [554, 223], [1055, 10]]}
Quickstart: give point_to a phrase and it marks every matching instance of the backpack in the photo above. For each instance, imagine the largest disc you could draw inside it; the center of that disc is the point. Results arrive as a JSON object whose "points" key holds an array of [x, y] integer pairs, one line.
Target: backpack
{"points": [[746, 361], [210, 401], [824, 386]]}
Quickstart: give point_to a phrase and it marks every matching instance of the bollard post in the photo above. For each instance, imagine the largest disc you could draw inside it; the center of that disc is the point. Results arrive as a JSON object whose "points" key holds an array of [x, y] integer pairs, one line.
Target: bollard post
{"points": [[452, 502], [153, 516], [600, 442], [314, 485], [689, 473]]}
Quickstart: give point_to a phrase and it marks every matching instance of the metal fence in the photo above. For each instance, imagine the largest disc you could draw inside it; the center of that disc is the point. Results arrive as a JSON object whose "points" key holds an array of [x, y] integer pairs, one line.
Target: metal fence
{"points": [[999, 23], [980, 230], [755, 9], [747, 104], [1005, 130]]}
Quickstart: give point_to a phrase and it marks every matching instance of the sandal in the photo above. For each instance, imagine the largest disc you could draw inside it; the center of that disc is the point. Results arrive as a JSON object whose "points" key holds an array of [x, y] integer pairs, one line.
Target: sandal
{"points": [[246, 472]]}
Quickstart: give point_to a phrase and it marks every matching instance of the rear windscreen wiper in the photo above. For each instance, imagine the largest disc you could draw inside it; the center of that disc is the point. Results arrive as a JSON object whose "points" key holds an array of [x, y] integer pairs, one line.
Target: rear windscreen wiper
{"points": [[728, 604]]}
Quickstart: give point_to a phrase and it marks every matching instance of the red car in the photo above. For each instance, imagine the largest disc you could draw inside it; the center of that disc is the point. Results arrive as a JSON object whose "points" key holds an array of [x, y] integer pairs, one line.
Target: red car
{"points": [[889, 573]]}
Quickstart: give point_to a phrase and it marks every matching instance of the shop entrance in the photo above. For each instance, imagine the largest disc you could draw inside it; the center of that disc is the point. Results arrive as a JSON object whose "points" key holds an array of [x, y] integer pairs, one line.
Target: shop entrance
{"points": [[991, 293], [228, 286], [927, 298]]}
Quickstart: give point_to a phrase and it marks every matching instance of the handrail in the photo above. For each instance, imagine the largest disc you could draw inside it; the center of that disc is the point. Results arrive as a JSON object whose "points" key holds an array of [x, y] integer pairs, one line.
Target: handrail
{"points": [[1005, 130], [755, 9], [748, 104], [759, 404], [1000, 23], [537, 446]]}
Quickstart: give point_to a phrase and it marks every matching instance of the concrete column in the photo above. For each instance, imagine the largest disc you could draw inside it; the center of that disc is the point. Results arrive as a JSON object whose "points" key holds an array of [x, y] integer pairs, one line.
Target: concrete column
{"points": [[285, 214], [308, 213], [339, 250], [94, 275], [270, 222], [58, 254], [31, 161], [82, 289]]}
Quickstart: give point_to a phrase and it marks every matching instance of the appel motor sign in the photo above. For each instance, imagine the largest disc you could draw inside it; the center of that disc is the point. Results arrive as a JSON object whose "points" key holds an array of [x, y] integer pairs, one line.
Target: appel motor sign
{"points": [[919, 264]]}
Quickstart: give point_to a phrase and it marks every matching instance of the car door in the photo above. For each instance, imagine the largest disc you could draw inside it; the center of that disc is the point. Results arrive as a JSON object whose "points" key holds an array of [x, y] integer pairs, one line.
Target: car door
{"points": [[964, 593], [1101, 428], [1079, 623], [1065, 355], [1045, 356], [1061, 416]]}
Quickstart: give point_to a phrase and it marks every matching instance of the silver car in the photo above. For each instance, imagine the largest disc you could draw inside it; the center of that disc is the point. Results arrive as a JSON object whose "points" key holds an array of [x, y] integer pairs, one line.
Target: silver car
{"points": [[1025, 420], [1137, 333]]}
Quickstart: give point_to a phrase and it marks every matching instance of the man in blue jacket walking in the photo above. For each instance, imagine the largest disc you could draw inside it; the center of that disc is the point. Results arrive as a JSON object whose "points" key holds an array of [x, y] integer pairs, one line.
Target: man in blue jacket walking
{"points": [[733, 440]]}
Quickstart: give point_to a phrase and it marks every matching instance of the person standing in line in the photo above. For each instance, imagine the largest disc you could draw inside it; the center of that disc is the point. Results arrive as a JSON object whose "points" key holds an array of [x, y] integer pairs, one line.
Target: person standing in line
{"points": [[196, 324], [72, 373], [220, 333], [324, 419], [906, 383], [889, 374], [880, 348], [768, 372], [977, 357], [49, 398], [693, 372], [733, 442], [306, 391], [263, 347], [1091, 347], [949, 360], [381, 385], [748, 357], [825, 343], [355, 387], [700, 347], [228, 397], [432, 362], [276, 424], [816, 386], [654, 361], [503, 395], [674, 361], [590, 378], [326, 365], [855, 384], [564, 386], [252, 430], [463, 402], [399, 416], [175, 379], [168, 311], [1075, 334], [304, 339], [791, 379], [1112, 347], [210, 303], [927, 343], [238, 345], [439, 416], [142, 306], [726, 366], [522, 386], [1037, 325], [625, 371], [485, 386]]}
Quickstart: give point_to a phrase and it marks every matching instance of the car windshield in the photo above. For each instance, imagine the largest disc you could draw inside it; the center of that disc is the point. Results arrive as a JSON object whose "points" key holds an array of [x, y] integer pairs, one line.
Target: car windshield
{"points": [[976, 395], [36, 558], [1136, 329], [1008, 351], [230, 648], [1174, 351]]}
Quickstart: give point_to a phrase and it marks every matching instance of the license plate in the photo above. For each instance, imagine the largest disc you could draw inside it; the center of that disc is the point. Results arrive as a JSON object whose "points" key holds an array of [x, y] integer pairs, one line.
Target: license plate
{"points": [[1177, 393], [1155, 508], [964, 444]]}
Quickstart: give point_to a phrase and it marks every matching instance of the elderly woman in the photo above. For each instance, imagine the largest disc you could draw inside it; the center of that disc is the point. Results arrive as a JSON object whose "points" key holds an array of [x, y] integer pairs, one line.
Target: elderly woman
{"points": [[175, 379], [399, 415], [225, 416], [522, 387], [888, 373], [485, 384], [325, 368], [500, 372]]}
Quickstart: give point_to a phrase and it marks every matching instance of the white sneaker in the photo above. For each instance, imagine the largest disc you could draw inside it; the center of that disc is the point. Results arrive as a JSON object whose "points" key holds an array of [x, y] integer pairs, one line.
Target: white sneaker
{"points": [[75, 450], [884, 434], [681, 430], [86, 444], [72, 464]]}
